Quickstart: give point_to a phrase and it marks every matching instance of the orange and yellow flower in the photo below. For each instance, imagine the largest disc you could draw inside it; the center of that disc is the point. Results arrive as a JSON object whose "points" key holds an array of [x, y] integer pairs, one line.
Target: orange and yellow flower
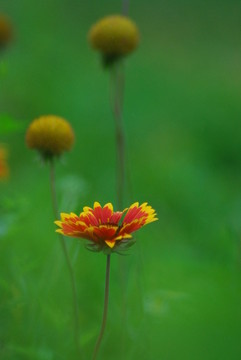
{"points": [[4, 170], [104, 227]]}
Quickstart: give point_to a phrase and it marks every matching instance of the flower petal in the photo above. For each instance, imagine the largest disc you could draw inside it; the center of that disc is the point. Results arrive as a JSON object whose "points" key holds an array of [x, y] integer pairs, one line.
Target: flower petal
{"points": [[107, 213], [136, 212], [110, 243], [116, 217], [106, 232]]}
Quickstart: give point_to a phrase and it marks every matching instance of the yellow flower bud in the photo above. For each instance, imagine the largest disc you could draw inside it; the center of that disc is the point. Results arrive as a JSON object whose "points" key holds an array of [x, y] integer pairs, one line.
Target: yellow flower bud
{"points": [[51, 135], [114, 36]]}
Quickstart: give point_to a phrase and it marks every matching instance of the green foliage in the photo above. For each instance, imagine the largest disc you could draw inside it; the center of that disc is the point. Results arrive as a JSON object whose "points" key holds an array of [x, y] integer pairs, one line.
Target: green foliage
{"points": [[181, 280], [9, 124]]}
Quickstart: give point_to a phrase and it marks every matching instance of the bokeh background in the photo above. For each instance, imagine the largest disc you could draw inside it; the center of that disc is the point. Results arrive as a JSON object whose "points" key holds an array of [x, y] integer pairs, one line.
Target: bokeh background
{"points": [[182, 119]]}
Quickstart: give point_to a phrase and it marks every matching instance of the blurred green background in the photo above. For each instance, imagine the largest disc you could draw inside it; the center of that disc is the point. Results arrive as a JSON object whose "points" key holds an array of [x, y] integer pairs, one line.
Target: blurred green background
{"points": [[182, 119]]}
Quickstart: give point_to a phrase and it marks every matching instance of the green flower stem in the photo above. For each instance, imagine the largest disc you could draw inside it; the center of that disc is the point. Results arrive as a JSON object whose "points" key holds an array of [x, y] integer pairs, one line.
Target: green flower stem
{"points": [[116, 99], [117, 85], [66, 255], [105, 311], [125, 7]]}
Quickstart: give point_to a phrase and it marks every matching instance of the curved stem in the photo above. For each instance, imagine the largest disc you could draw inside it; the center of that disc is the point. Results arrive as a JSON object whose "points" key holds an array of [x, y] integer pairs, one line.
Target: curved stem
{"points": [[66, 255], [105, 311]]}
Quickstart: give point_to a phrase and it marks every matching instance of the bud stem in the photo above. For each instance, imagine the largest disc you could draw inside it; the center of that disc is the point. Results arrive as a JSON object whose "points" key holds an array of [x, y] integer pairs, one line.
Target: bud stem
{"points": [[66, 255], [125, 7], [116, 92]]}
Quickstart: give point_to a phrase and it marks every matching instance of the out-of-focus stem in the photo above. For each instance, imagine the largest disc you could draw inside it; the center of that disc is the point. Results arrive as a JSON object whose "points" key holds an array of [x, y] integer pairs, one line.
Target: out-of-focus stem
{"points": [[66, 255], [117, 92], [125, 7], [105, 311]]}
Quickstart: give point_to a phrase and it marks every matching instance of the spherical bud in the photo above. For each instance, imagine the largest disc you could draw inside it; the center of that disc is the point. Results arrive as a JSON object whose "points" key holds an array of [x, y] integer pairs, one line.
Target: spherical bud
{"points": [[114, 36], [50, 135]]}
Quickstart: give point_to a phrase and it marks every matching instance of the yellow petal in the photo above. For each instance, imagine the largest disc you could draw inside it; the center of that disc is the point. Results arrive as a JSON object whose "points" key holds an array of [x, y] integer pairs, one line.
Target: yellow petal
{"points": [[110, 206], [125, 236], [73, 215], [96, 204], [136, 204], [63, 216], [58, 223], [111, 244], [60, 231], [143, 205]]}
